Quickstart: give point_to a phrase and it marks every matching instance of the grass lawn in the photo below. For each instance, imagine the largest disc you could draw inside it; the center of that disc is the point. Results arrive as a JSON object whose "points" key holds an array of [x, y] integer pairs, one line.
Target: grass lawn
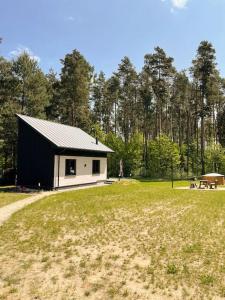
{"points": [[7, 196], [132, 240]]}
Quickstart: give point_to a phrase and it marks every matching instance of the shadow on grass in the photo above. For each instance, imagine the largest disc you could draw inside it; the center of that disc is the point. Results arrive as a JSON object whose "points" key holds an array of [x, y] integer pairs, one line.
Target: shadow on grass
{"points": [[147, 179], [8, 189], [13, 189]]}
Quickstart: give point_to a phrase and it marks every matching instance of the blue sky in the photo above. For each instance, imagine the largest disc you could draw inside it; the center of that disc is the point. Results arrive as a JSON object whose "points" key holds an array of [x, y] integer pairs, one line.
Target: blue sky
{"points": [[104, 31]]}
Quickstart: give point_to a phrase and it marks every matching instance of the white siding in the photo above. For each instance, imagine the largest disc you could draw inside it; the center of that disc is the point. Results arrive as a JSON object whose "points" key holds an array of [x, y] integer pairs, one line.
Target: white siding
{"points": [[83, 171]]}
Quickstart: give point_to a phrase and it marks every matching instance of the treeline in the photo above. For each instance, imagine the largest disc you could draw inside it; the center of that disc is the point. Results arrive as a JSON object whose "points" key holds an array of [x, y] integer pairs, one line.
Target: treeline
{"points": [[155, 119]]}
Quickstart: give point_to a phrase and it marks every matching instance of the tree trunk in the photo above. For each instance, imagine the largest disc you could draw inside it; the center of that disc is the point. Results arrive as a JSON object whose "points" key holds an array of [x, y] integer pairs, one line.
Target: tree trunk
{"points": [[202, 138], [188, 141], [115, 116]]}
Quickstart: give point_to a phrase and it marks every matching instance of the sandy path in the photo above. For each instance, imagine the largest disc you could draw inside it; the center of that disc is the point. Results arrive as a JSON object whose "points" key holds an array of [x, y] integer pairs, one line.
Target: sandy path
{"points": [[8, 210]]}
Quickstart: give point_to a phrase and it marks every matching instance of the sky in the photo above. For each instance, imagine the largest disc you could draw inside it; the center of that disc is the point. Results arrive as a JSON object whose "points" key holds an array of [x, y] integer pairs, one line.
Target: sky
{"points": [[105, 31]]}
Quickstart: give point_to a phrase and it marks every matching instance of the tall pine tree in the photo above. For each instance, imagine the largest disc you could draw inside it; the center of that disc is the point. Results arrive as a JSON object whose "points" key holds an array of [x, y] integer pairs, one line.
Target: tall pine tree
{"points": [[75, 79]]}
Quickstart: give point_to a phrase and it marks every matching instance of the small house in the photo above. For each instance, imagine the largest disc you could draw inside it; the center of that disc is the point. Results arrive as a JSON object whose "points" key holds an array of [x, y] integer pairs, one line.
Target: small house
{"points": [[53, 155]]}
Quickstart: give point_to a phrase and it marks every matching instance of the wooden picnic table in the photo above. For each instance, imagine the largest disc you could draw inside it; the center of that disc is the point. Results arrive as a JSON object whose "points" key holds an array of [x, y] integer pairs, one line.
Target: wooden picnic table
{"points": [[203, 184], [213, 185]]}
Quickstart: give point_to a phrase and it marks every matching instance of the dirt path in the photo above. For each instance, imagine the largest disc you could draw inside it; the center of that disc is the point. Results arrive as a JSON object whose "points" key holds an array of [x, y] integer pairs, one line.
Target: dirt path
{"points": [[219, 188], [7, 211]]}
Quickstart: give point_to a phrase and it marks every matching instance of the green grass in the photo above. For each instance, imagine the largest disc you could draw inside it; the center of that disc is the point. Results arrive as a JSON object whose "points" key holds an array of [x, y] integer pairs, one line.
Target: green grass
{"points": [[7, 196], [133, 240]]}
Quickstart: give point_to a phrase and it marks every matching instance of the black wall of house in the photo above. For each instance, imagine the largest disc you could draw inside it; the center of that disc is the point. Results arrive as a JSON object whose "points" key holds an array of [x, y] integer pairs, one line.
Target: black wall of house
{"points": [[35, 158]]}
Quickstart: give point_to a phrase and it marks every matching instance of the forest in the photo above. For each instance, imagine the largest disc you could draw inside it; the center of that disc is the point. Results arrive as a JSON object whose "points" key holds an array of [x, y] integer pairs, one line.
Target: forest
{"points": [[156, 120]]}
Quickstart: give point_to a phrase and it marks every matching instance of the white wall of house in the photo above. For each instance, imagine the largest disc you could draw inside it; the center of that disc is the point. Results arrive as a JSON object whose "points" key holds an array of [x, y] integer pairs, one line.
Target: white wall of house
{"points": [[83, 171]]}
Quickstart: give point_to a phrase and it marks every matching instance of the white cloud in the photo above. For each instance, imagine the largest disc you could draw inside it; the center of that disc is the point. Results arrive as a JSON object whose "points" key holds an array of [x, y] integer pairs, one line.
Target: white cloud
{"points": [[70, 18], [176, 4], [77, 19], [22, 49], [179, 3]]}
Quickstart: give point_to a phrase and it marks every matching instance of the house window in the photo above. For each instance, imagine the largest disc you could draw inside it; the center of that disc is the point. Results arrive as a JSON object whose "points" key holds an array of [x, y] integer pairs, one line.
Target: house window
{"points": [[96, 167], [70, 168]]}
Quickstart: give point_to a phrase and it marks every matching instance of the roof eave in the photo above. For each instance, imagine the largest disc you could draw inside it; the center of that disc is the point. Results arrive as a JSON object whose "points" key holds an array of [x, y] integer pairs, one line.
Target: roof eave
{"points": [[84, 149]]}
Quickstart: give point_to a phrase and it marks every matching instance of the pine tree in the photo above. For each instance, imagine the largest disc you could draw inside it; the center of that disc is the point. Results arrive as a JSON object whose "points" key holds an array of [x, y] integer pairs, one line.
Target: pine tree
{"points": [[8, 82], [204, 66], [159, 66], [31, 87], [75, 79], [54, 107], [110, 105], [8, 108], [98, 96], [127, 98], [145, 112], [180, 116]]}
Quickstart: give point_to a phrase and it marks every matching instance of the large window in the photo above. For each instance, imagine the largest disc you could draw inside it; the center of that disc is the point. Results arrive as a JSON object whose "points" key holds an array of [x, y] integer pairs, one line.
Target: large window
{"points": [[70, 167], [96, 167]]}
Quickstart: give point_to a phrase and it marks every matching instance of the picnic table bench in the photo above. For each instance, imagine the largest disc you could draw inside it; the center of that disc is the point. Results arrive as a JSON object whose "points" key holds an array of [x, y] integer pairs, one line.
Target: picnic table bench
{"points": [[213, 185], [203, 184], [193, 185]]}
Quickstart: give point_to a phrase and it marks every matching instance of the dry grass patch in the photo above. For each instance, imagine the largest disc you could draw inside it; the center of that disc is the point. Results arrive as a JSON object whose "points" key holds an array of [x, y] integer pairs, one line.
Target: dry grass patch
{"points": [[8, 195]]}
